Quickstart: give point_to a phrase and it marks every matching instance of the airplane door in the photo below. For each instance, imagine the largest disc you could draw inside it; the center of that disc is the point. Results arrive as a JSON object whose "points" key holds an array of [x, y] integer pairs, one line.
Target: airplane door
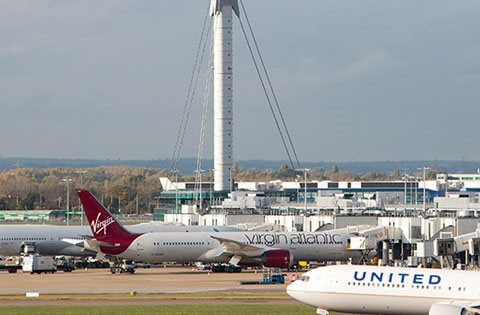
{"points": [[140, 245]]}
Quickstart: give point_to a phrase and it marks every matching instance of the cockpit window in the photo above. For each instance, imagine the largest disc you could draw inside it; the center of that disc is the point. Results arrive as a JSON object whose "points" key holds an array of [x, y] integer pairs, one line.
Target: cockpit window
{"points": [[304, 278]]}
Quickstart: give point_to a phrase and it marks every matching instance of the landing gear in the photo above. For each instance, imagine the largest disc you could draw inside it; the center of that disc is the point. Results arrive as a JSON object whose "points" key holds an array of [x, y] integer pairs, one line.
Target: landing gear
{"points": [[115, 270], [120, 266], [226, 268]]}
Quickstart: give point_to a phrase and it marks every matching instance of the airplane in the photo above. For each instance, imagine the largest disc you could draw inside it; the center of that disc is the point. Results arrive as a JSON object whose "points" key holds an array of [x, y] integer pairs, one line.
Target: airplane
{"points": [[363, 289], [269, 249], [55, 240]]}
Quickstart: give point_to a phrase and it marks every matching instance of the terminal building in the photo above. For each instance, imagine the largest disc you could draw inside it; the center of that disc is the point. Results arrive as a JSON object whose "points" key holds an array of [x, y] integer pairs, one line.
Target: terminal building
{"points": [[451, 205]]}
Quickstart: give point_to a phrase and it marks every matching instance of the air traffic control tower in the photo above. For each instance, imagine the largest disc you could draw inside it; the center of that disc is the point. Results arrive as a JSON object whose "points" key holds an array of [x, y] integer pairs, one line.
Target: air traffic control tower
{"points": [[223, 12]]}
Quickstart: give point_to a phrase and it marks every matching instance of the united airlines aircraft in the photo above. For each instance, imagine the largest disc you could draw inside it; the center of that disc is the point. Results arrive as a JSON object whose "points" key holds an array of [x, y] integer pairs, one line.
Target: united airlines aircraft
{"points": [[239, 248], [388, 290]]}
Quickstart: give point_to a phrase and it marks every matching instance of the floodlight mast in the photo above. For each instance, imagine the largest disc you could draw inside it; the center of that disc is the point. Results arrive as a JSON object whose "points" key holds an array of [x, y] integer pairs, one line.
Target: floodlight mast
{"points": [[222, 13]]}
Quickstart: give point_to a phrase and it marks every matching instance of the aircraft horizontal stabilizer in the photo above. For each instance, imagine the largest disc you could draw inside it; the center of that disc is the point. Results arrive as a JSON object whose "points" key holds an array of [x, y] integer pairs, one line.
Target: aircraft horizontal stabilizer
{"points": [[93, 244]]}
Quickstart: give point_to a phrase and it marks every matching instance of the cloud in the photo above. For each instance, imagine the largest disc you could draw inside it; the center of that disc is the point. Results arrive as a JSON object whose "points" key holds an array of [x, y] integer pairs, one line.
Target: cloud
{"points": [[369, 65], [118, 70]]}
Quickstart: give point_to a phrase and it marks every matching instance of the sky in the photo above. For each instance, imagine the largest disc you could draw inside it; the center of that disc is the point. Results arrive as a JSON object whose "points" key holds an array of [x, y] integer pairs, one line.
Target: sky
{"points": [[357, 80]]}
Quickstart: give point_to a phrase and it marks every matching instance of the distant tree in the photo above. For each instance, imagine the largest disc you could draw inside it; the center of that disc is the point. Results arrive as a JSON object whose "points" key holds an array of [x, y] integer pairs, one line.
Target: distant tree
{"points": [[236, 168], [283, 168], [3, 204], [334, 168], [396, 174], [28, 202]]}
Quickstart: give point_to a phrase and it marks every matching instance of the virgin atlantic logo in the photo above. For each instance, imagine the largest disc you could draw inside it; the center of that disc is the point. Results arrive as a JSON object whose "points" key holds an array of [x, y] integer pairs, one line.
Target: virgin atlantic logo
{"points": [[99, 226]]}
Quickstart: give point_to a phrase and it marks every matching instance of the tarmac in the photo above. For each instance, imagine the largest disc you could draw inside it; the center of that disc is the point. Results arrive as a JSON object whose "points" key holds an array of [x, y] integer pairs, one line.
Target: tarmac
{"points": [[152, 280]]}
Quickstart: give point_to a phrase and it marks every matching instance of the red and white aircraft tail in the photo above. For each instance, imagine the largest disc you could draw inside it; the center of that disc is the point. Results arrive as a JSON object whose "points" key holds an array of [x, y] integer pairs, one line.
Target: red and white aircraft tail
{"points": [[111, 236]]}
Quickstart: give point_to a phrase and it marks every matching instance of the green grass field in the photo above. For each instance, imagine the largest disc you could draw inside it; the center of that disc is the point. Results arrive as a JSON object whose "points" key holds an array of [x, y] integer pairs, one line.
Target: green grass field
{"points": [[163, 309], [87, 298], [244, 303]]}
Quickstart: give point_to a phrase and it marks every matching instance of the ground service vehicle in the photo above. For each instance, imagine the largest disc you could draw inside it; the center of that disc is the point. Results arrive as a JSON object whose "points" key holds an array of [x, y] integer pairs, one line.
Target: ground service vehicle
{"points": [[39, 264]]}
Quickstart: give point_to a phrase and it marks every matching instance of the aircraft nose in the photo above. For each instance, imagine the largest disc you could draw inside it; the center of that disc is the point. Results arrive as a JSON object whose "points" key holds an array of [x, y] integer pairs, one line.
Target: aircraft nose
{"points": [[295, 288]]}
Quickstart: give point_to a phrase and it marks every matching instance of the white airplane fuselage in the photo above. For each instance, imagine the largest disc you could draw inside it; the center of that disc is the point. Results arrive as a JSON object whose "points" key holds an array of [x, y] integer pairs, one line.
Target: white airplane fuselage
{"points": [[269, 249], [201, 247], [387, 290], [63, 240]]}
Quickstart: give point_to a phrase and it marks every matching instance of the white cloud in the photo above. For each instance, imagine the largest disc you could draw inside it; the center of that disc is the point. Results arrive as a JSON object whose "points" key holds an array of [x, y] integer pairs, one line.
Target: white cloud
{"points": [[369, 65], [127, 62]]}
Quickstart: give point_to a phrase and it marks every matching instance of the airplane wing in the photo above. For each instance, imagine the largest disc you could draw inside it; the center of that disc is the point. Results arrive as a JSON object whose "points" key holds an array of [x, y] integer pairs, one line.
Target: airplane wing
{"points": [[234, 246], [237, 250], [454, 307], [73, 241], [474, 305]]}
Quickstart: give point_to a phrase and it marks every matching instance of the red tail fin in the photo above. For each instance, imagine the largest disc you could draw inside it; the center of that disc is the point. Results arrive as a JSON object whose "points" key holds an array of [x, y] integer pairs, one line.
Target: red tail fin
{"points": [[104, 226]]}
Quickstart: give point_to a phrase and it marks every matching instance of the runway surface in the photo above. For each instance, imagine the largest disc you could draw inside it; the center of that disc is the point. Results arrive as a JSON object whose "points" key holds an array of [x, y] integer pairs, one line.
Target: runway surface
{"points": [[154, 280]]}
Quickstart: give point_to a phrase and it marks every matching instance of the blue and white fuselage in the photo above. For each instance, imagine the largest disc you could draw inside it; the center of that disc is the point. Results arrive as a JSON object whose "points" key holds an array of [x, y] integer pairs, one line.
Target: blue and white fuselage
{"points": [[388, 290]]}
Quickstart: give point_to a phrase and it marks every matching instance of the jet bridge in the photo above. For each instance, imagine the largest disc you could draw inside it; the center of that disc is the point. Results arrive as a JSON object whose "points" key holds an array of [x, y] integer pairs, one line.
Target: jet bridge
{"points": [[469, 244], [448, 248], [388, 243]]}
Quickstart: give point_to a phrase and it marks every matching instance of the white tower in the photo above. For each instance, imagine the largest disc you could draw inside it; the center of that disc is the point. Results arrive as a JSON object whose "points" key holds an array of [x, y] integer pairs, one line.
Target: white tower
{"points": [[222, 12]]}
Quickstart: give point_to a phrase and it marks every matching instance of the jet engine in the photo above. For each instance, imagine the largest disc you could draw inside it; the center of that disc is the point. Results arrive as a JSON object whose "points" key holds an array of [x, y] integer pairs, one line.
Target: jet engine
{"points": [[448, 309], [279, 258], [58, 248]]}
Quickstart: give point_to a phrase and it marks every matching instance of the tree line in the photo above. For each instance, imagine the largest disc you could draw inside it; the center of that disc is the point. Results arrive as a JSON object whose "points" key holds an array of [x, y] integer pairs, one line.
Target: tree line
{"points": [[121, 188], [128, 189]]}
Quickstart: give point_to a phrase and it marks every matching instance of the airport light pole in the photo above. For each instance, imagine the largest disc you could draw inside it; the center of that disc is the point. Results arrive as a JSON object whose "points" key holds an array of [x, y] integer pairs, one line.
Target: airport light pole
{"points": [[81, 177], [68, 180], [416, 192], [199, 172], [305, 171], [136, 205], [210, 186], [424, 188], [298, 189], [81, 187], [176, 190], [410, 181]]}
